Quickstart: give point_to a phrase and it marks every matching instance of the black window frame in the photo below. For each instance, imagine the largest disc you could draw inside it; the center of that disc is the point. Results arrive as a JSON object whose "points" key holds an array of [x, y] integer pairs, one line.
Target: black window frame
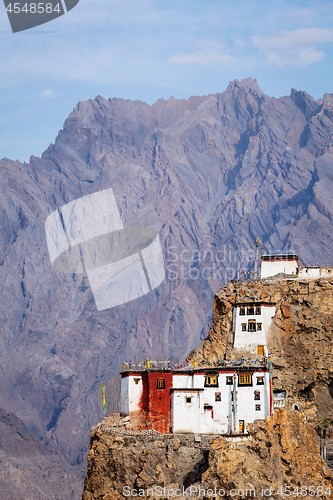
{"points": [[249, 310], [245, 384], [252, 322], [163, 383], [208, 384]]}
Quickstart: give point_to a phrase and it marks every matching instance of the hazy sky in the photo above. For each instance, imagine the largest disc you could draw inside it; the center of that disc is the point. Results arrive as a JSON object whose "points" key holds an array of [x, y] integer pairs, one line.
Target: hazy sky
{"points": [[151, 49]]}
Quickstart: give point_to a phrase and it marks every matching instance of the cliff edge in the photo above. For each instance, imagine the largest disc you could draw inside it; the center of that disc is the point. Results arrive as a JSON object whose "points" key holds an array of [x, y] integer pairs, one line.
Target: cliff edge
{"points": [[278, 453]]}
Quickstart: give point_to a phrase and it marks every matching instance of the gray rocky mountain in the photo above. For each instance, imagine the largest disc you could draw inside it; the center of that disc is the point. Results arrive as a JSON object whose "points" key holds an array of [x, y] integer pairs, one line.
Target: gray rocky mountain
{"points": [[210, 174]]}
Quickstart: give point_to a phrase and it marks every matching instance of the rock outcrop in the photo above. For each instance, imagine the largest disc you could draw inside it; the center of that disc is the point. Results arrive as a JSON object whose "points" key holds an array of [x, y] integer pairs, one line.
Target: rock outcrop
{"points": [[121, 460], [279, 452]]}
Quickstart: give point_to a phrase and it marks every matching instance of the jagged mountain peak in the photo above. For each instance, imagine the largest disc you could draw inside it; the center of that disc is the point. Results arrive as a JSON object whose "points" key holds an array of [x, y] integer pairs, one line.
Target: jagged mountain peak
{"points": [[246, 83]]}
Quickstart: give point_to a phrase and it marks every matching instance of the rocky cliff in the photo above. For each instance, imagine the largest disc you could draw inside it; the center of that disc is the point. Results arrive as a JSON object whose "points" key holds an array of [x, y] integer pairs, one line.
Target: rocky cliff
{"points": [[277, 453], [211, 174], [280, 453]]}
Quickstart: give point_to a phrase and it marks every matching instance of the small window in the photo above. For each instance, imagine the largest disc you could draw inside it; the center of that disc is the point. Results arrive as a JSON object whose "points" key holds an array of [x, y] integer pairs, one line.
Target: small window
{"points": [[229, 380], [161, 383], [245, 380], [242, 311], [211, 380], [258, 310], [136, 381], [250, 310], [257, 395], [243, 327], [188, 399], [258, 407], [259, 326], [217, 396], [208, 407], [260, 380], [252, 325], [260, 350]]}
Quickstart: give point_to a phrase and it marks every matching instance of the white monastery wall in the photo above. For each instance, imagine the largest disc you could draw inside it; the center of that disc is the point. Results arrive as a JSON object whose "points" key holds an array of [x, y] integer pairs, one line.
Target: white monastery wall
{"points": [[270, 268], [250, 340], [131, 393], [181, 381], [210, 410], [247, 404], [185, 416], [315, 272]]}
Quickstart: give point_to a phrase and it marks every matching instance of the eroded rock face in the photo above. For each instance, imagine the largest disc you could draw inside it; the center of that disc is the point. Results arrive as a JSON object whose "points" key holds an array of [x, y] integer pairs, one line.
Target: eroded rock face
{"points": [[300, 338], [120, 460], [278, 452]]}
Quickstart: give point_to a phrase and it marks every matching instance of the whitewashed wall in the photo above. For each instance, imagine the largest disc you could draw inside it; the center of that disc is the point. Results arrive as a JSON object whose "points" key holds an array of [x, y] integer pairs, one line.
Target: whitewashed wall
{"points": [[270, 268], [181, 381], [192, 417], [315, 272], [131, 394], [249, 341], [185, 416], [246, 403]]}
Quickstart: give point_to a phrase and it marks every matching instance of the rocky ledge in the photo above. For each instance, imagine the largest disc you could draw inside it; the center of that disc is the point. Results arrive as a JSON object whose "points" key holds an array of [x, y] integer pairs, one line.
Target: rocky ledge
{"points": [[278, 453]]}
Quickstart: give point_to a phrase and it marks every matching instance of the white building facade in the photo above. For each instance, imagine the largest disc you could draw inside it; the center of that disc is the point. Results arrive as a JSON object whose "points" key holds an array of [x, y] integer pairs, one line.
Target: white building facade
{"points": [[219, 400], [131, 393], [251, 322], [315, 272], [275, 264]]}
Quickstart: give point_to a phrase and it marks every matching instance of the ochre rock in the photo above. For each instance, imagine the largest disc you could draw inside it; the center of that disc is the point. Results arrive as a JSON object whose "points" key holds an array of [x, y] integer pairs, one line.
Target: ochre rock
{"points": [[278, 452]]}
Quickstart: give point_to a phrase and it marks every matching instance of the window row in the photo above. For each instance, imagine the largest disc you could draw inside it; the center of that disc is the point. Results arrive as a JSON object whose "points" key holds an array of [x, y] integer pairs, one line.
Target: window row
{"points": [[219, 399], [212, 380], [250, 310], [251, 326], [243, 379]]}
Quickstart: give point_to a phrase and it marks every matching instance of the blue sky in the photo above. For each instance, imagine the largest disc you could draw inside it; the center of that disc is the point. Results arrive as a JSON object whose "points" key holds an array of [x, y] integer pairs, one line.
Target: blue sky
{"points": [[152, 49]]}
